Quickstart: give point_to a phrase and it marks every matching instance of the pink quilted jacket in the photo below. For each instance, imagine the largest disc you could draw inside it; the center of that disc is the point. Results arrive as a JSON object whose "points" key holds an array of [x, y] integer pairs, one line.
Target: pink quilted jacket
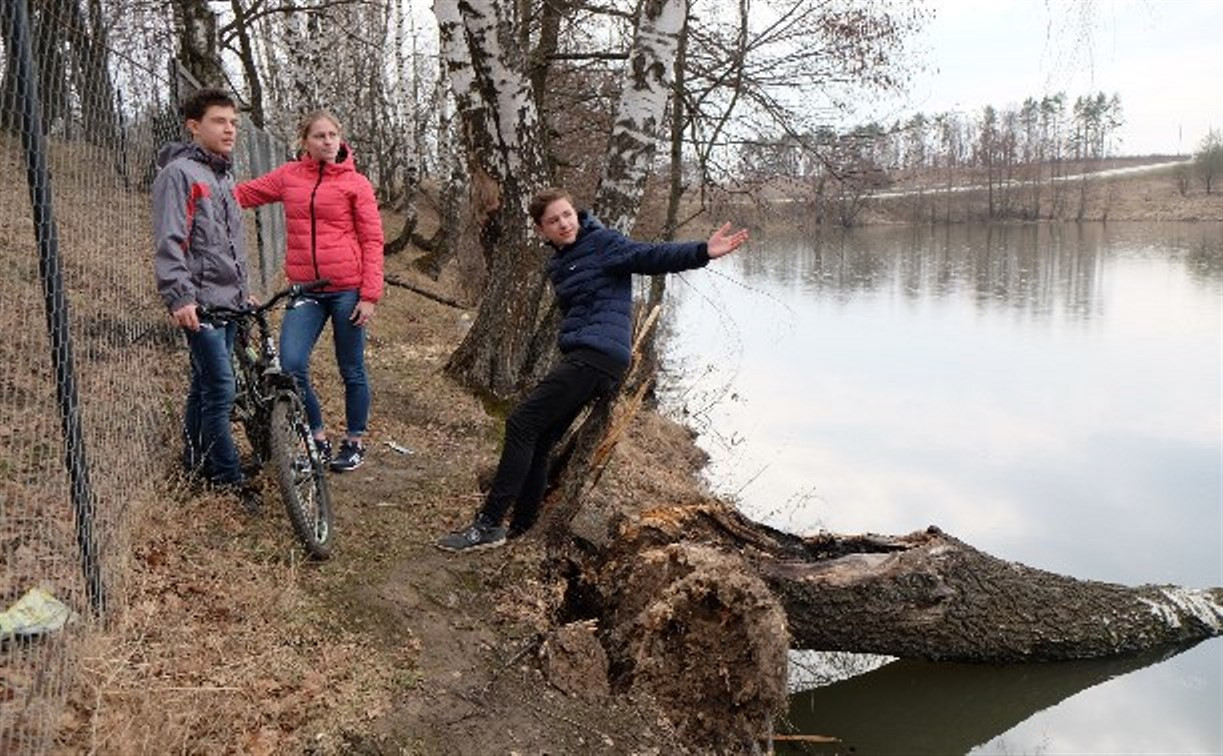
{"points": [[334, 230]]}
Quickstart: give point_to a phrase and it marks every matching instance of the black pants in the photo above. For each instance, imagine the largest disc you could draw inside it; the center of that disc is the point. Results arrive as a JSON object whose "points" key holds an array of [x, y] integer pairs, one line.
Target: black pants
{"points": [[531, 431]]}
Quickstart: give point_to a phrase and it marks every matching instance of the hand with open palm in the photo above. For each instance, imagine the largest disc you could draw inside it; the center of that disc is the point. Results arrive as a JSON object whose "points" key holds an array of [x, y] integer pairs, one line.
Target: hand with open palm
{"points": [[723, 242]]}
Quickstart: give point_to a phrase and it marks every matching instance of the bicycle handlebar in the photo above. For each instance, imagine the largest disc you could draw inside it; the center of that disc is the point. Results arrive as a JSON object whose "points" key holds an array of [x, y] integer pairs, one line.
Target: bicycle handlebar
{"points": [[291, 290]]}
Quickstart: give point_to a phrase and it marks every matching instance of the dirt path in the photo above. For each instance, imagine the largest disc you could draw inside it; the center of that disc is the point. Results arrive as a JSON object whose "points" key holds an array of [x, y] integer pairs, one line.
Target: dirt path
{"points": [[473, 623]]}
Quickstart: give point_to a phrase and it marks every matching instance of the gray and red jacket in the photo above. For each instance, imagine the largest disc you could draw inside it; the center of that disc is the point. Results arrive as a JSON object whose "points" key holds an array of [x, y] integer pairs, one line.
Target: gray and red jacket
{"points": [[199, 247]]}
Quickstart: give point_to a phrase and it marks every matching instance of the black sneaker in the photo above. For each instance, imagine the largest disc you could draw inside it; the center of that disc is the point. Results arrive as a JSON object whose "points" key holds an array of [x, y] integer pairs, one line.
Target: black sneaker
{"points": [[324, 449], [352, 454], [251, 499], [474, 537]]}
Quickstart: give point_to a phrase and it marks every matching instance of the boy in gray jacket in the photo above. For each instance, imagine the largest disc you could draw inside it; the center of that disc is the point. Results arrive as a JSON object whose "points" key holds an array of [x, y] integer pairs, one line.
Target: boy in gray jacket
{"points": [[200, 259]]}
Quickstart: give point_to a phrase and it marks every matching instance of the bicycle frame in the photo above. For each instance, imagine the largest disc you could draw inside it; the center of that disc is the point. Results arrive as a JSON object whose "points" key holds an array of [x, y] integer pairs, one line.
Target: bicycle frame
{"points": [[257, 368], [257, 371], [268, 404]]}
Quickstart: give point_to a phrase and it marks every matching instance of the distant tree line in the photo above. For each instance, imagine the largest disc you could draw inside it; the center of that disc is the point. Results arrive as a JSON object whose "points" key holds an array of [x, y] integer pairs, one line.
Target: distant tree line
{"points": [[999, 149]]}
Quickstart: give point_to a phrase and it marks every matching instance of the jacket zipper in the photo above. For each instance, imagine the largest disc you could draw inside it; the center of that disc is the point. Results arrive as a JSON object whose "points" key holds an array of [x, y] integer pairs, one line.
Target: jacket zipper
{"points": [[314, 221]]}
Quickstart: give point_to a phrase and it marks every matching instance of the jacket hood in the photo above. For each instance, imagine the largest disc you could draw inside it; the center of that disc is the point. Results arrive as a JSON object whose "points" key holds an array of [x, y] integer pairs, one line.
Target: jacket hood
{"points": [[175, 150], [588, 222]]}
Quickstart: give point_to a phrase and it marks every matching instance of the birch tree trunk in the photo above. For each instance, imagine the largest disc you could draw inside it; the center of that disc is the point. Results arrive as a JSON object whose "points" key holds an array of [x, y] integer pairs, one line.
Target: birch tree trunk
{"points": [[640, 112], [675, 192], [404, 105], [506, 349], [300, 65]]}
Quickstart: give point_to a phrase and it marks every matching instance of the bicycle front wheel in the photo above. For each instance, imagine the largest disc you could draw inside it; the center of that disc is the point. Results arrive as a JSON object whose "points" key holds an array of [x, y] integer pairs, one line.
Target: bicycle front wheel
{"points": [[301, 475]]}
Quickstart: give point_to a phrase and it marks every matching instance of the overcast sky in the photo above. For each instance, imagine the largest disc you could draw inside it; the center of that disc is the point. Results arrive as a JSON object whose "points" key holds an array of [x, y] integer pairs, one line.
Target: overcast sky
{"points": [[1164, 58]]}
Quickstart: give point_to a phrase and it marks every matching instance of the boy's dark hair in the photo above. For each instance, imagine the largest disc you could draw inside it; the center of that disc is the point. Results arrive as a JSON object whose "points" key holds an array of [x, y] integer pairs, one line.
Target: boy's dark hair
{"points": [[543, 198], [199, 101]]}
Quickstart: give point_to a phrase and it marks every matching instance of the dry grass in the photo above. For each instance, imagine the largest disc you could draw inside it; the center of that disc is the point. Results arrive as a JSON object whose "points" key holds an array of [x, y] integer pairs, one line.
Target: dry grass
{"points": [[224, 648]]}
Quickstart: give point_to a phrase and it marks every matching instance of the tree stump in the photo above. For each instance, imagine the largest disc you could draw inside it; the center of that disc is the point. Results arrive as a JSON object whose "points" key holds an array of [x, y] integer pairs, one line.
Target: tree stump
{"points": [[694, 628]]}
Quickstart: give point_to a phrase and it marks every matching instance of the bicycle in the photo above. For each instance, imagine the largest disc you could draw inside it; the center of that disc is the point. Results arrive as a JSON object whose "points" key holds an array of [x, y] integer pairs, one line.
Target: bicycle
{"points": [[269, 407]]}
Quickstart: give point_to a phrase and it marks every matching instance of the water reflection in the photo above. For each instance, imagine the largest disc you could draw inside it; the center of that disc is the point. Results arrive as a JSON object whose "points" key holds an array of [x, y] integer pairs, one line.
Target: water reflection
{"points": [[911, 708], [1037, 268], [1018, 386]]}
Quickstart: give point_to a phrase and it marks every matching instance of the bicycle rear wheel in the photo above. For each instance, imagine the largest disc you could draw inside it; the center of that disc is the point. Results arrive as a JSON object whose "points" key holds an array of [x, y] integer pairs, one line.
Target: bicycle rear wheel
{"points": [[301, 475]]}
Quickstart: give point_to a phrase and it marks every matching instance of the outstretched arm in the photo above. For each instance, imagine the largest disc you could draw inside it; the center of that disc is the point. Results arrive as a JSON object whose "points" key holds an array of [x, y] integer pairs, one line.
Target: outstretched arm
{"points": [[723, 242], [673, 257], [260, 191]]}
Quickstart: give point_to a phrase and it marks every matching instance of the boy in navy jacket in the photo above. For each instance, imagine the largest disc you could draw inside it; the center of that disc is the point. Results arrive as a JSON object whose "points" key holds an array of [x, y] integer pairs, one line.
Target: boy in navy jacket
{"points": [[591, 273]]}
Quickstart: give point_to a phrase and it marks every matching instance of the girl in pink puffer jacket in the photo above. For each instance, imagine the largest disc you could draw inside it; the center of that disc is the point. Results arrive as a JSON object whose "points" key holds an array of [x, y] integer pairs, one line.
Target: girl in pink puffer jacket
{"points": [[334, 232]]}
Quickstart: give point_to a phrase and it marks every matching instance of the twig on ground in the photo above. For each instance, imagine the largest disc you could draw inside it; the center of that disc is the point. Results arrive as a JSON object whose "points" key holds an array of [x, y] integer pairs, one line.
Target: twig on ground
{"points": [[393, 281]]}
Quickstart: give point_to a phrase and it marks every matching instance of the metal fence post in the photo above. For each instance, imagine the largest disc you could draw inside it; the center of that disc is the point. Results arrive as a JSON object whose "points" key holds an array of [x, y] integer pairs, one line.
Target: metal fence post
{"points": [[33, 142]]}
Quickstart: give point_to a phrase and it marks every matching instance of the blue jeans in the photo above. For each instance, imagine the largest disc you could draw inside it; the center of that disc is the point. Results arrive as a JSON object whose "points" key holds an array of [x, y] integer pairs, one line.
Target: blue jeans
{"points": [[303, 324], [210, 398]]}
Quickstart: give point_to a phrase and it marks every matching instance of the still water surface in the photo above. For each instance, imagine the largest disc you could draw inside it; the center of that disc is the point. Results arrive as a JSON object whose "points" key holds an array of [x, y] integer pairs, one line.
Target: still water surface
{"points": [[1050, 394]]}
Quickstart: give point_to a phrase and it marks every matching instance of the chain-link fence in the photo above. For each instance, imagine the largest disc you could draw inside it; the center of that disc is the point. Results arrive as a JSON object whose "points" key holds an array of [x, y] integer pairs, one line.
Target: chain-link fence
{"points": [[91, 372]]}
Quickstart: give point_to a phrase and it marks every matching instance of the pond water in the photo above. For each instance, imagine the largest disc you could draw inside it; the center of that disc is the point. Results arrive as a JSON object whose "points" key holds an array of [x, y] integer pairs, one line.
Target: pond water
{"points": [[1051, 394]]}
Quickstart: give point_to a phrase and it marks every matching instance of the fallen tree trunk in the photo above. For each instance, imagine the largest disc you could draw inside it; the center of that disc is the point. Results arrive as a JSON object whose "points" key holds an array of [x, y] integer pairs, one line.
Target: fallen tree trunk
{"points": [[927, 595], [696, 604]]}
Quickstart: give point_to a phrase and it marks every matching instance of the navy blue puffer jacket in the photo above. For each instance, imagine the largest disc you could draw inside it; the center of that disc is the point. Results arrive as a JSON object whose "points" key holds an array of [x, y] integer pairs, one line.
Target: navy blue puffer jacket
{"points": [[593, 282]]}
